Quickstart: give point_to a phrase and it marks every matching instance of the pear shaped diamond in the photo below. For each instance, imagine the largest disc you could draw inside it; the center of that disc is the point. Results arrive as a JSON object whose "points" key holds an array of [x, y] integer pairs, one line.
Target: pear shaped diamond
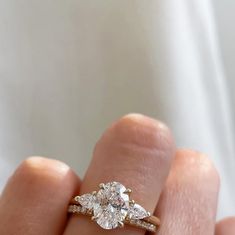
{"points": [[86, 200], [137, 212]]}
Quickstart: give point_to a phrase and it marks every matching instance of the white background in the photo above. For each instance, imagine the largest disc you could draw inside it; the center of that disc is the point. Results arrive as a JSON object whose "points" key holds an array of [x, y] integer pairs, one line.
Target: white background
{"points": [[70, 68]]}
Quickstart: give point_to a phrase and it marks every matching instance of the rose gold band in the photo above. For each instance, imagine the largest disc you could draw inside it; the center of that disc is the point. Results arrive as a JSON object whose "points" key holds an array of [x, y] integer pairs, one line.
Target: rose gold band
{"points": [[111, 207], [150, 224]]}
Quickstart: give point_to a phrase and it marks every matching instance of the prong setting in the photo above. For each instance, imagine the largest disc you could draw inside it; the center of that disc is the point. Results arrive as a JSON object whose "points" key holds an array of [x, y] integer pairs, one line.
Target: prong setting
{"points": [[132, 202], [120, 224], [77, 198], [102, 185], [128, 191]]}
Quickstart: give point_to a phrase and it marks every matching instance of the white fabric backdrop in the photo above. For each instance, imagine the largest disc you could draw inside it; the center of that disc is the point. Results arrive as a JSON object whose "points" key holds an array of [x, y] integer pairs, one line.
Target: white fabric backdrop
{"points": [[69, 68]]}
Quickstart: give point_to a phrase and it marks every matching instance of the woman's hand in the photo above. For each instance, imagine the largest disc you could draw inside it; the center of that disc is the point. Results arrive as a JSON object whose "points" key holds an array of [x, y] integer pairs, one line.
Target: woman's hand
{"points": [[179, 186]]}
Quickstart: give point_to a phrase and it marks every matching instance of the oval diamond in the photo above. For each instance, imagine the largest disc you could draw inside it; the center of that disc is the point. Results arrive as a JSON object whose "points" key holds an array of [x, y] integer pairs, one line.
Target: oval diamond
{"points": [[111, 205]]}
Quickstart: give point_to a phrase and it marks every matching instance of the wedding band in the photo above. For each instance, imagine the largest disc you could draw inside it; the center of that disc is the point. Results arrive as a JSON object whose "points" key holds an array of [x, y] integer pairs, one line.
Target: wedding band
{"points": [[111, 208]]}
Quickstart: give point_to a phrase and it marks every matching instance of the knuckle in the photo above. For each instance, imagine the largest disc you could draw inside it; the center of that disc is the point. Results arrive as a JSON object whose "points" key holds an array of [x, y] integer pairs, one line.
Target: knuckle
{"points": [[38, 170], [137, 136], [143, 131], [201, 163], [31, 167]]}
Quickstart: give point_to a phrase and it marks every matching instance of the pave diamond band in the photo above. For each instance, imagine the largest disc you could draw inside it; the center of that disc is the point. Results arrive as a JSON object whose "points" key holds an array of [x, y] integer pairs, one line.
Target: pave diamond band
{"points": [[111, 208]]}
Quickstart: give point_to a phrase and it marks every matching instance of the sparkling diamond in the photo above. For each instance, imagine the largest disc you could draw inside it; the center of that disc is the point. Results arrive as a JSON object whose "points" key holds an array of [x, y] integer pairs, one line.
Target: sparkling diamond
{"points": [[86, 200], [137, 212], [111, 205]]}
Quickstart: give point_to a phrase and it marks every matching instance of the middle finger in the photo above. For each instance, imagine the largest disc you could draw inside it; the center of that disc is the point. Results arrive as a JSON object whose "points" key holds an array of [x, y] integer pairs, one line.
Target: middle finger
{"points": [[135, 151]]}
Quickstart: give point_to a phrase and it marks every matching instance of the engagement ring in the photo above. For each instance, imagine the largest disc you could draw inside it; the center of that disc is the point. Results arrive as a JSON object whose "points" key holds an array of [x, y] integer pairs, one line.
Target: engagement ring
{"points": [[111, 207]]}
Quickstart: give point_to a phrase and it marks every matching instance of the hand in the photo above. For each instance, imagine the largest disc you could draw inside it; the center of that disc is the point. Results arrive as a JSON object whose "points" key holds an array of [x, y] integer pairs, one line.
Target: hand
{"points": [[180, 186]]}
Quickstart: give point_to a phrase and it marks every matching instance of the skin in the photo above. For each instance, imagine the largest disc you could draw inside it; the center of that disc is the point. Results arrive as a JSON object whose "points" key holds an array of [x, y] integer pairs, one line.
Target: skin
{"points": [[180, 186]]}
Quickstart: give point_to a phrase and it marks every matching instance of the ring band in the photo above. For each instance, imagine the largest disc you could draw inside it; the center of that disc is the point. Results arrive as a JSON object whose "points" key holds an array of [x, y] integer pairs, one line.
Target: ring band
{"points": [[111, 208]]}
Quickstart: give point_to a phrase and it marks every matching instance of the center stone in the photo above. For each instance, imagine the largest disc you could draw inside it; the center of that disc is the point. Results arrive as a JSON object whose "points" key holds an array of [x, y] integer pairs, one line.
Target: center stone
{"points": [[111, 206]]}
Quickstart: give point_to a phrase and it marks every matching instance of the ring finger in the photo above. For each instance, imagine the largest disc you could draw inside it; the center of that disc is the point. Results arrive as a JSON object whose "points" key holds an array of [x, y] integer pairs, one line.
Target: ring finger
{"points": [[135, 151]]}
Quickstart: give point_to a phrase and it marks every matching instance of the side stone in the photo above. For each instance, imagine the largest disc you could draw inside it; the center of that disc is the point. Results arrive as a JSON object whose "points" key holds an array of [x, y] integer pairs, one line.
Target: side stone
{"points": [[86, 200], [137, 212]]}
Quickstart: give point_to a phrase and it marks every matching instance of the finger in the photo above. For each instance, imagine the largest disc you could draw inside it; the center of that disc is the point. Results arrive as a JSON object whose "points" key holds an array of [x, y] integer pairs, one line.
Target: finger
{"points": [[189, 200], [135, 151], [226, 227], [36, 197]]}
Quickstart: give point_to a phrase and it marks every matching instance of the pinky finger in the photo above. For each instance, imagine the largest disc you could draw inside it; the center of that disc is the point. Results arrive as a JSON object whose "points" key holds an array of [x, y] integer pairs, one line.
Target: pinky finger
{"points": [[226, 227]]}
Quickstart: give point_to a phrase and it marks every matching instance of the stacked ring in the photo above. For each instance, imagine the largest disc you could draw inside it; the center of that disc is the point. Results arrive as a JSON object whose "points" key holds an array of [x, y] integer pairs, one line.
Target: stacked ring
{"points": [[111, 208]]}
